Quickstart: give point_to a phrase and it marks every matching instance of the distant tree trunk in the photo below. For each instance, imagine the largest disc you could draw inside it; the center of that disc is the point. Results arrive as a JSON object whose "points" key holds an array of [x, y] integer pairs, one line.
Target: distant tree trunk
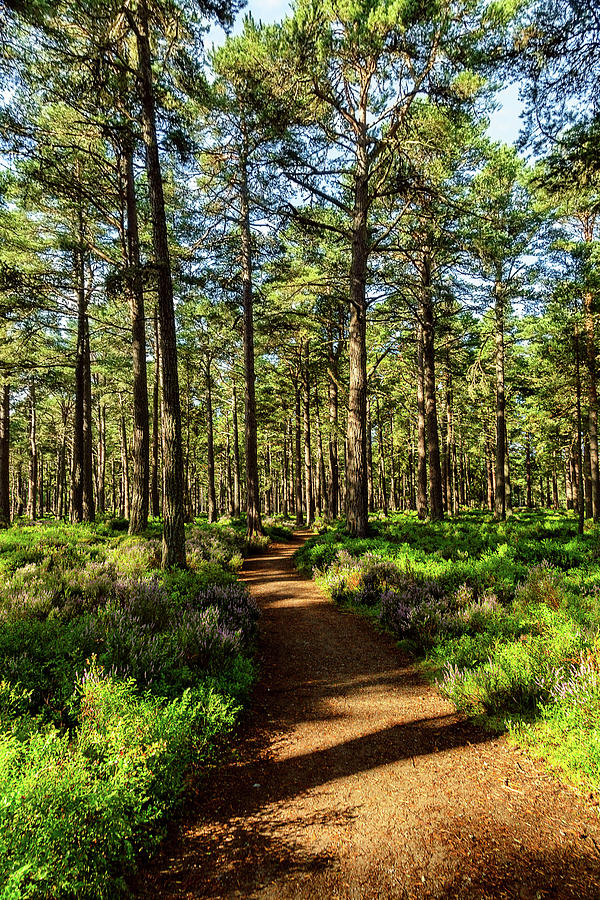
{"points": [[421, 432], [210, 447], [155, 492], [40, 487], [32, 491], [554, 482], [433, 445], [508, 506], [579, 462], [298, 459], [370, 486], [125, 507], [489, 464], [5, 455], [382, 478], [587, 470], [393, 489], [528, 470], [77, 463], [236, 453], [500, 487], [173, 471], [285, 473], [357, 499], [322, 492], [89, 508], [450, 446], [101, 455], [333, 496], [308, 485], [138, 519]]}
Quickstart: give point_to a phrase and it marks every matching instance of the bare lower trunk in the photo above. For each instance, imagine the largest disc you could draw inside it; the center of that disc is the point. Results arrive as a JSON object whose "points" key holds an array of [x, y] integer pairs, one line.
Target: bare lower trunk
{"points": [[5, 455], [500, 487], [298, 460], [421, 438], [155, 480], [433, 444], [173, 509], [251, 429], [333, 497], [210, 448], [138, 519], [32, 492], [309, 503], [236, 453], [357, 499]]}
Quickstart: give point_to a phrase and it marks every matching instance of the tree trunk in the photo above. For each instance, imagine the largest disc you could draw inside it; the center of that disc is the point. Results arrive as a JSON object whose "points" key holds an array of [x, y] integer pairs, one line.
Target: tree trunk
{"points": [[528, 471], [309, 502], [77, 463], [333, 495], [322, 493], [155, 492], [138, 519], [590, 358], [236, 453], [125, 507], [298, 459], [173, 512], [5, 455], [500, 486], [433, 445], [32, 491], [101, 455], [251, 435], [210, 448], [421, 432], [357, 499], [88, 505]]}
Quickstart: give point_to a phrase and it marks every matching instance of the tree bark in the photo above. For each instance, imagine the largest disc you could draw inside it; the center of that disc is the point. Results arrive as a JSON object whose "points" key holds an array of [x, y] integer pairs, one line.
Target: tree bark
{"points": [[77, 455], [421, 432], [138, 519], [236, 453], [210, 447], [173, 552], [500, 486], [298, 459], [309, 502], [333, 494], [251, 429], [5, 455], [433, 445], [32, 491], [155, 491], [357, 499]]}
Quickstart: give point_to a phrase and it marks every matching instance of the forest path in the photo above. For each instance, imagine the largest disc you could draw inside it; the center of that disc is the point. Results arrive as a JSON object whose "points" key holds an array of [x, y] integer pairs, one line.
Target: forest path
{"points": [[355, 779]]}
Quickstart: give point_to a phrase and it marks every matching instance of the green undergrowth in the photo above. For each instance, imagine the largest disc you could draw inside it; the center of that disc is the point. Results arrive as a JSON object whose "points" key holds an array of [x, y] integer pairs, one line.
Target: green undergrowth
{"points": [[118, 682], [505, 617]]}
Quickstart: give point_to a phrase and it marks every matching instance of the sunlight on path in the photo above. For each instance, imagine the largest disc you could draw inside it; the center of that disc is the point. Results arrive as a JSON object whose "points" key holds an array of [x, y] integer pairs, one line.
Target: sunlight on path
{"points": [[357, 780]]}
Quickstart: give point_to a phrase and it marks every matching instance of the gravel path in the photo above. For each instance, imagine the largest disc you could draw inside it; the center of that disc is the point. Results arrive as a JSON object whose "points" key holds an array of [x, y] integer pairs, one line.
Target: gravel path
{"points": [[355, 779]]}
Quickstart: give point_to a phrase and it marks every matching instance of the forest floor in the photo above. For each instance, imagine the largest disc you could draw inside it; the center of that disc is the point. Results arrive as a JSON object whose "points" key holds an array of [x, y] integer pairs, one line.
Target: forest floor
{"points": [[353, 778]]}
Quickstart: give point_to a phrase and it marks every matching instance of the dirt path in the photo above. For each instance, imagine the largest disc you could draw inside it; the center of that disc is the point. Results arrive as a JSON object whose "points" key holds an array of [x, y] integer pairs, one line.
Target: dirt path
{"points": [[354, 779]]}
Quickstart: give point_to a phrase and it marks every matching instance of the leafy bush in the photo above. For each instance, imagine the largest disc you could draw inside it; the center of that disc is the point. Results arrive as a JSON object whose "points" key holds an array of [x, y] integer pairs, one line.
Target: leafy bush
{"points": [[76, 814], [91, 764]]}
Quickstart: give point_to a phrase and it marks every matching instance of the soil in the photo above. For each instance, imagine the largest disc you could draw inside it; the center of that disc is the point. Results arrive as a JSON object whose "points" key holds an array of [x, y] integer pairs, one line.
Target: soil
{"points": [[353, 778]]}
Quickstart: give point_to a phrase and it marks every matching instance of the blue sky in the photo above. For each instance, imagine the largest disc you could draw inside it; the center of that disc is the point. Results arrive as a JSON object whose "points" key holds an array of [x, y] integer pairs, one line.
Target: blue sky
{"points": [[504, 123]]}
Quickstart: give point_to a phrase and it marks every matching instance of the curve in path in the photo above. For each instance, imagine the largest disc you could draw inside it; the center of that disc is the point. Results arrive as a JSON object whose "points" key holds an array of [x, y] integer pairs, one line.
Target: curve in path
{"points": [[355, 779]]}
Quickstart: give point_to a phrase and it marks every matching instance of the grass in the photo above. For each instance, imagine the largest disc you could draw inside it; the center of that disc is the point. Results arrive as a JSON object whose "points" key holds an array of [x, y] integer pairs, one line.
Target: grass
{"points": [[504, 616], [115, 678]]}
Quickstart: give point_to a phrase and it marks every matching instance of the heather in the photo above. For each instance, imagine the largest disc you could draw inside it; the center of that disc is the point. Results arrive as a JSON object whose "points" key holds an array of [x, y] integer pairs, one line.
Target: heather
{"points": [[503, 615], [118, 682]]}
